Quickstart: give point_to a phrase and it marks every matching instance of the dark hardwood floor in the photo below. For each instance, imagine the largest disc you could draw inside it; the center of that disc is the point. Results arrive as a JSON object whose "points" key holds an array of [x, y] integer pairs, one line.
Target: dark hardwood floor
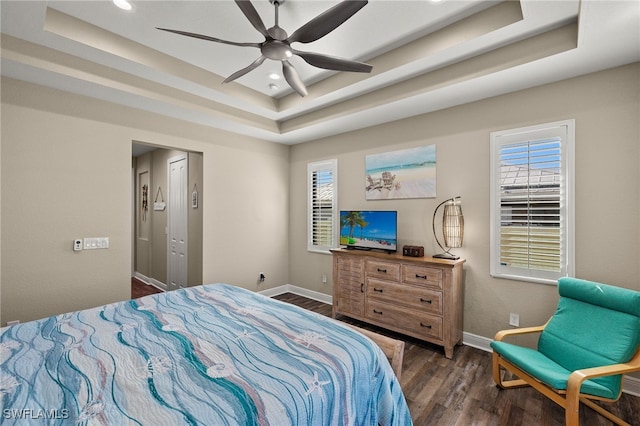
{"points": [[139, 289], [461, 391]]}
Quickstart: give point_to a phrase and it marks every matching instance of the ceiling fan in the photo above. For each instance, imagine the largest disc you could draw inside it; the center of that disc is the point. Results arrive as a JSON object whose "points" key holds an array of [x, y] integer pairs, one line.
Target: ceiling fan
{"points": [[277, 44]]}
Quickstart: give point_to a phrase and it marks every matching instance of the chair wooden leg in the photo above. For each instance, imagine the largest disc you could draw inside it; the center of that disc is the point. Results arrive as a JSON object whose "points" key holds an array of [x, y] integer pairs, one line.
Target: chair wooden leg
{"points": [[572, 411], [495, 359], [504, 384]]}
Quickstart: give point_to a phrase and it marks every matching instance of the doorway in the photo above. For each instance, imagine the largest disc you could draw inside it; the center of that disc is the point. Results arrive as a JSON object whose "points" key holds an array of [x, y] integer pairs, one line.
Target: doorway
{"points": [[167, 226]]}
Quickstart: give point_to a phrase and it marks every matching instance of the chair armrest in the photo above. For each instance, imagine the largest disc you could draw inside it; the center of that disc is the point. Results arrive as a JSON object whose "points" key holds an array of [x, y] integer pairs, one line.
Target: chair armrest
{"points": [[577, 377], [500, 335]]}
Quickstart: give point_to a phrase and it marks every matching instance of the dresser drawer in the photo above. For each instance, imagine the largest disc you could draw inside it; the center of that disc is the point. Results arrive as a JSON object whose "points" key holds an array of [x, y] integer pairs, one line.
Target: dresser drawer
{"points": [[414, 322], [421, 298], [422, 275], [385, 270]]}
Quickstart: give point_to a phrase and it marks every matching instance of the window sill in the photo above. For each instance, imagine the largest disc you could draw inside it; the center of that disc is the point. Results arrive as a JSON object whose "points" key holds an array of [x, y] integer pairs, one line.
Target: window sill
{"points": [[319, 251], [534, 280]]}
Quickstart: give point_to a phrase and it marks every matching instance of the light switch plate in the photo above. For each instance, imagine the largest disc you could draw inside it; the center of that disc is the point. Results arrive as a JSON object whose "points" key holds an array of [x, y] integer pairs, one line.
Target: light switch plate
{"points": [[96, 243]]}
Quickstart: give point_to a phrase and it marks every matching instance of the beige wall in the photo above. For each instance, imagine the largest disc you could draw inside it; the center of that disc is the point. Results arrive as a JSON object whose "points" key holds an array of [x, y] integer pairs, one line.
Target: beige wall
{"points": [[66, 173], [606, 107]]}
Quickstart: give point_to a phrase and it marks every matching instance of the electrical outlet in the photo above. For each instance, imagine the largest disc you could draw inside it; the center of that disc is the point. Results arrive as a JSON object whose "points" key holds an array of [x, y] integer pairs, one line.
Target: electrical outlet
{"points": [[514, 320]]}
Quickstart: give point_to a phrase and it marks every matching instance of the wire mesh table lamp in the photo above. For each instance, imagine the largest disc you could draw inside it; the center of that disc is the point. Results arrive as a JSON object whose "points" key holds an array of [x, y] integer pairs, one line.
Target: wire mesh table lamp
{"points": [[452, 227]]}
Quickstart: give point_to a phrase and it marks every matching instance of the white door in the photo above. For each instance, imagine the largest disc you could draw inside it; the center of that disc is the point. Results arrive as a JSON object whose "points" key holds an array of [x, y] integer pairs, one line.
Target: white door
{"points": [[177, 221]]}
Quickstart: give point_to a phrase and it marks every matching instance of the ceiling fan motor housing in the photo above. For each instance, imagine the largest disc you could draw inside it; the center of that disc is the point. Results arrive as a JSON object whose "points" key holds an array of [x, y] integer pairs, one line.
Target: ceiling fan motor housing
{"points": [[276, 50]]}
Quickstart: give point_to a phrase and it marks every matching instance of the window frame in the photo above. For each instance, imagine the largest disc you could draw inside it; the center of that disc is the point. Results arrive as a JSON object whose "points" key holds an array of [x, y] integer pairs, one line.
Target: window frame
{"points": [[331, 166], [565, 130]]}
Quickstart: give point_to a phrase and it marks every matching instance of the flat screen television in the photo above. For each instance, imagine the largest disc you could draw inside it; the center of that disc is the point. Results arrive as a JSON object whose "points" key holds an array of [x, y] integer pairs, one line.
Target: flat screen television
{"points": [[369, 230]]}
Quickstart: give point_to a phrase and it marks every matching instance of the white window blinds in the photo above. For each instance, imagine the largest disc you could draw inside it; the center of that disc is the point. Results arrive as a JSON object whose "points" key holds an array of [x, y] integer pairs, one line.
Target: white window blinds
{"points": [[531, 204], [322, 226]]}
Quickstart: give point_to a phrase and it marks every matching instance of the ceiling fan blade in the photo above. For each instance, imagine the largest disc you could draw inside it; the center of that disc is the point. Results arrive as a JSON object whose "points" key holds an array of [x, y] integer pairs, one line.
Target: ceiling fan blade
{"points": [[292, 77], [255, 64], [204, 37], [252, 15], [333, 63], [327, 21]]}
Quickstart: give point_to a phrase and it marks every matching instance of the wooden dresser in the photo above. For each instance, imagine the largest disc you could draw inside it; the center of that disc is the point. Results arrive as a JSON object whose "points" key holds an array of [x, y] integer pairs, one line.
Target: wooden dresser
{"points": [[417, 296]]}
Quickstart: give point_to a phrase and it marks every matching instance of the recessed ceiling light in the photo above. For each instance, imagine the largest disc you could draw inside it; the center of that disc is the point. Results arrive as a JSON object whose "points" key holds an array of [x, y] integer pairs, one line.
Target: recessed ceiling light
{"points": [[273, 86], [274, 76], [123, 4]]}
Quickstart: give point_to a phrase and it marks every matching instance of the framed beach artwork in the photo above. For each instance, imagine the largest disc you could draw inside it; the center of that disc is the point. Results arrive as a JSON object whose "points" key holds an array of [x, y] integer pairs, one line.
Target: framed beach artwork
{"points": [[408, 173]]}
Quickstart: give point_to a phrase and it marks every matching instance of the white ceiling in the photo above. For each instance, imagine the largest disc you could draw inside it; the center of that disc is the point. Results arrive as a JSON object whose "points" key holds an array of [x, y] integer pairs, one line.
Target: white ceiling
{"points": [[426, 56]]}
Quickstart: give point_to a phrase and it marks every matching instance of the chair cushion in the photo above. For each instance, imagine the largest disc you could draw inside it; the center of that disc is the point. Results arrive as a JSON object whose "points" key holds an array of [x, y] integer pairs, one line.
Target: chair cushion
{"points": [[594, 325], [607, 296], [547, 371]]}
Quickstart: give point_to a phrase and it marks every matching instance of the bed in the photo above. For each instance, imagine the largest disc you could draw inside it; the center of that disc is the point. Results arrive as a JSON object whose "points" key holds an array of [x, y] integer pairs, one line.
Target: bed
{"points": [[208, 355]]}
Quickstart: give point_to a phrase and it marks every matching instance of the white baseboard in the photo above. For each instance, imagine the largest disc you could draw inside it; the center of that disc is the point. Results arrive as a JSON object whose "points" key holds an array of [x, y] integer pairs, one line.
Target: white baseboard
{"points": [[151, 281], [475, 341], [630, 385], [289, 288]]}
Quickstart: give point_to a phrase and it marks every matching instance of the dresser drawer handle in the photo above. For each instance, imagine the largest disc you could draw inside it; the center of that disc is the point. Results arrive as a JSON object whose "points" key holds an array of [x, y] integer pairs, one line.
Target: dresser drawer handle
{"points": [[375, 311], [382, 270], [425, 325], [422, 277], [429, 301], [379, 290]]}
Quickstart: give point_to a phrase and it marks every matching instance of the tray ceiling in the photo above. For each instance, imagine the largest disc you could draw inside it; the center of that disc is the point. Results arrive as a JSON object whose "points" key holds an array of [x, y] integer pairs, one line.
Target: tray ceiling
{"points": [[426, 56]]}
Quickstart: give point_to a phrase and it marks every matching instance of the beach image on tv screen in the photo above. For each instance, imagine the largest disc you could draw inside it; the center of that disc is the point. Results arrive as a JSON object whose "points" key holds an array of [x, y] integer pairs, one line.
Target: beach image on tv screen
{"points": [[368, 229]]}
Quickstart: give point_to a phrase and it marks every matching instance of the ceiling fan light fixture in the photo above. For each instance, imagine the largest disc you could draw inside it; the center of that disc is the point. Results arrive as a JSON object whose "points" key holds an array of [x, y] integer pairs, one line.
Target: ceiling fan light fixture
{"points": [[123, 4], [277, 43]]}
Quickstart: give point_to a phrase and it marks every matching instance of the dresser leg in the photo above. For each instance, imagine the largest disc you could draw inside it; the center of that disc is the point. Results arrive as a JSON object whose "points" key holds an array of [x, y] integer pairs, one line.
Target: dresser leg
{"points": [[448, 352]]}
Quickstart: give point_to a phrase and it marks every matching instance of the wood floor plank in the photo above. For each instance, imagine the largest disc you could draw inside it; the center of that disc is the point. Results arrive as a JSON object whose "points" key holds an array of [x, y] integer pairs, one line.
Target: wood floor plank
{"points": [[140, 289]]}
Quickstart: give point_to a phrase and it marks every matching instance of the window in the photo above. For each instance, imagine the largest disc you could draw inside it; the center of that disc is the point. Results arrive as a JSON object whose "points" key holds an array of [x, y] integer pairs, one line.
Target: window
{"points": [[532, 218], [323, 205]]}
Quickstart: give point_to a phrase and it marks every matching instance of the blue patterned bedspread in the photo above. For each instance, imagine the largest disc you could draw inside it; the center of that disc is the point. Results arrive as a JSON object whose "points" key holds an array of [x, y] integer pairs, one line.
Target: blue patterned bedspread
{"points": [[207, 355]]}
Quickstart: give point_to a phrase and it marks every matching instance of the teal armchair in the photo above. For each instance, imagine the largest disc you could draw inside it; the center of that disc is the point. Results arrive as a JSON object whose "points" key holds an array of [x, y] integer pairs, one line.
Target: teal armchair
{"points": [[583, 351]]}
